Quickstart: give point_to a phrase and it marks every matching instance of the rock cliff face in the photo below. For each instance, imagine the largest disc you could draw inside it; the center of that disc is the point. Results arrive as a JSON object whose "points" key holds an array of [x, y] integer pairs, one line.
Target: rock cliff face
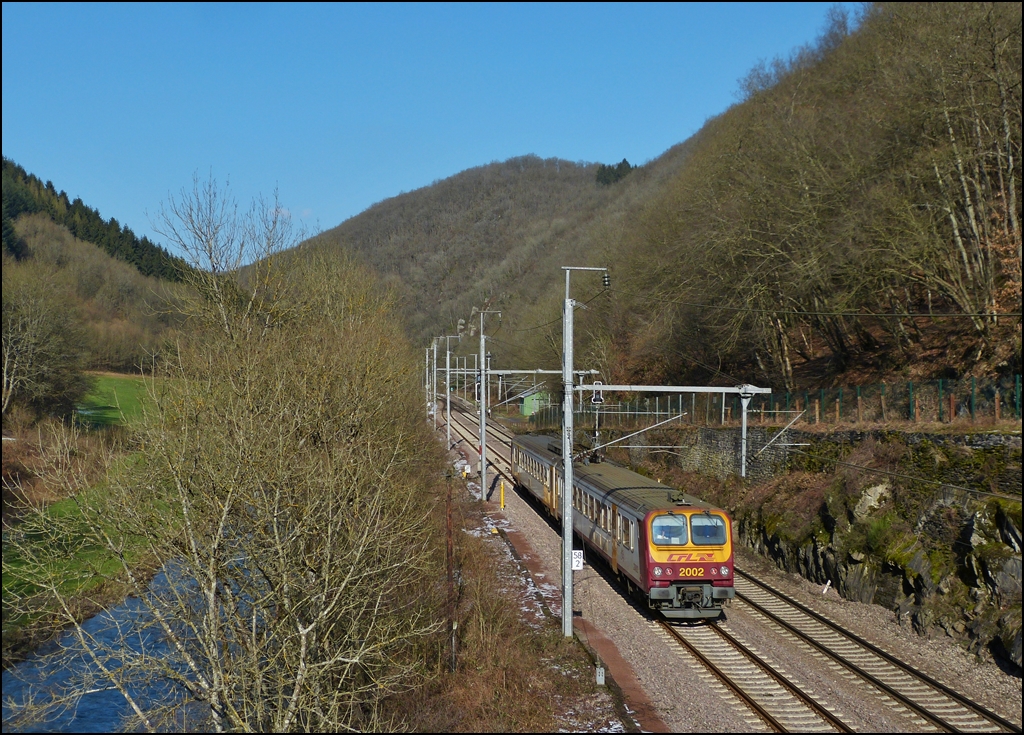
{"points": [[877, 513], [977, 598]]}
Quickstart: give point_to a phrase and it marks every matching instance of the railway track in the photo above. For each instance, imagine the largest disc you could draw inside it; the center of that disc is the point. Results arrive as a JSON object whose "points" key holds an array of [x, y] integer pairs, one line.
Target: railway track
{"points": [[927, 702], [763, 687], [772, 696], [465, 423]]}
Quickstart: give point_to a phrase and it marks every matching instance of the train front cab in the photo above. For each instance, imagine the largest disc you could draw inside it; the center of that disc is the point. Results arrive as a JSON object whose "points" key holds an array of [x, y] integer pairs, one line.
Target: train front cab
{"points": [[689, 562]]}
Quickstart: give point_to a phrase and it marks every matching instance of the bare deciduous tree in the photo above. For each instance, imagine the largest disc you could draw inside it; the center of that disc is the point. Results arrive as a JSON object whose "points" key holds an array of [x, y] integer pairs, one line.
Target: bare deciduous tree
{"points": [[43, 351], [282, 489]]}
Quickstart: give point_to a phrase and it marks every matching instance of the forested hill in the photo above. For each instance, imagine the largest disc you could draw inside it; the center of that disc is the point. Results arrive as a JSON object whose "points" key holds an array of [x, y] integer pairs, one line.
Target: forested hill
{"points": [[496, 234], [25, 193], [859, 210]]}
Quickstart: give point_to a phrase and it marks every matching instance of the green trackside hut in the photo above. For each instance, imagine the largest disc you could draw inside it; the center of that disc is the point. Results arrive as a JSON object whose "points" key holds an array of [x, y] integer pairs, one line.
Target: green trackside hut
{"points": [[533, 403]]}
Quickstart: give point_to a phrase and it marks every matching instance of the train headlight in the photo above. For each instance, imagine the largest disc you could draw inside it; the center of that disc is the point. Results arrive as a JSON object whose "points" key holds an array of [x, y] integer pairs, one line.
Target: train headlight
{"points": [[725, 571], [668, 571], [657, 571]]}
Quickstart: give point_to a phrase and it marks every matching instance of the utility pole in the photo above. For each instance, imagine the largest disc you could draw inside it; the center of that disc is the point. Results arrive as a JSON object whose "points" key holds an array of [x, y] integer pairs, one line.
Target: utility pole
{"points": [[433, 382], [448, 388], [567, 444], [745, 395], [450, 563], [482, 393]]}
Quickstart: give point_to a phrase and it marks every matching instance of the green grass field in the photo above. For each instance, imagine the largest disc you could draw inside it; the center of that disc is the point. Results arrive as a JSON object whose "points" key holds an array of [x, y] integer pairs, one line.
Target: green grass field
{"points": [[60, 549], [111, 398]]}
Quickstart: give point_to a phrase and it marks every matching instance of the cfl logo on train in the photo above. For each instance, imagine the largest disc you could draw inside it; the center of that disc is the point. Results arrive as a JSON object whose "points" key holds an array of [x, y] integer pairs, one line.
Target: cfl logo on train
{"points": [[691, 557]]}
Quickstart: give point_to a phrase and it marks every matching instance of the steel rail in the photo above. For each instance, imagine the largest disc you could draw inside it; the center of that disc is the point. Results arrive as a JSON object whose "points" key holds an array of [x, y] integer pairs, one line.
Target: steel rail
{"points": [[871, 678], [818, 708], [735, 688], [468, 434], [491, 424]]}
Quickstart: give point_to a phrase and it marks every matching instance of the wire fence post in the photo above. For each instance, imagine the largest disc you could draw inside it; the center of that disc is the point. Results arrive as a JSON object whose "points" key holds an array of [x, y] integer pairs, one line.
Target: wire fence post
{"points": [[911, 415], [973, 396], [940, 400]]}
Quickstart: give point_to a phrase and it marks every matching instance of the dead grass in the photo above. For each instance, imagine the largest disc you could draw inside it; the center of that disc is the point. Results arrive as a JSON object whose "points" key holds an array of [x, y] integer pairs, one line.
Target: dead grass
{"points": [[512, 676], [22, 463]]}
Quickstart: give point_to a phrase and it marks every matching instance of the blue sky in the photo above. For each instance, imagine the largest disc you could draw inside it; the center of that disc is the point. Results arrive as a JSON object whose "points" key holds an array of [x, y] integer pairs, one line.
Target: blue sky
{"points": [[340, 106]]}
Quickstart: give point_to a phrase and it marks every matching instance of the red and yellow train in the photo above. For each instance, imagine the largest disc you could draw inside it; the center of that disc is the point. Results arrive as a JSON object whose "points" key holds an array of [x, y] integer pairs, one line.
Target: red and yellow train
{"points": [[670, 549]]}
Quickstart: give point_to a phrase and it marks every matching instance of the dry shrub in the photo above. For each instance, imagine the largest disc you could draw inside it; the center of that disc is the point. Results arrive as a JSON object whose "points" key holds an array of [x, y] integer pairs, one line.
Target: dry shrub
{"points": [[86, 456], [20, 484], [283, 486], [511, 676]]}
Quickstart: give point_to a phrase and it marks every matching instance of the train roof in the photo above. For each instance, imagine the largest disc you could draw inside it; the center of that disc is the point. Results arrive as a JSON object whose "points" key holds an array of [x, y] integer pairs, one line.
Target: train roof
{"points": [[615, 483]]}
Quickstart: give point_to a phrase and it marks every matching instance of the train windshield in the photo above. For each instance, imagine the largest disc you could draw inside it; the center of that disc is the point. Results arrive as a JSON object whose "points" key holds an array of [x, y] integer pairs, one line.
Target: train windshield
{"points": [[708, 530], [669, 530]]}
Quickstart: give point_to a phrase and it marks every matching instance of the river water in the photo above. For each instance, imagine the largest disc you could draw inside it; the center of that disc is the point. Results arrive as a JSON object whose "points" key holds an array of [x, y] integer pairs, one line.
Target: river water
{"points": [[62, 666]]}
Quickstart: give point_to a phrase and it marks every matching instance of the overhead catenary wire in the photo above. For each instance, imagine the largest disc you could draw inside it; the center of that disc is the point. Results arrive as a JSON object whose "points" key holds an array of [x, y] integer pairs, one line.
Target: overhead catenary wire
{"points": [[559, 319]]}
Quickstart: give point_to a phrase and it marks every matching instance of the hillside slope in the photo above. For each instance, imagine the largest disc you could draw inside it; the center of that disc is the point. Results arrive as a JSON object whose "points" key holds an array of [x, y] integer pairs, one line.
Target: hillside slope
{"points": [[120, 317], [25, 193], [860, 210], [857, 213], [495, 236]]}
